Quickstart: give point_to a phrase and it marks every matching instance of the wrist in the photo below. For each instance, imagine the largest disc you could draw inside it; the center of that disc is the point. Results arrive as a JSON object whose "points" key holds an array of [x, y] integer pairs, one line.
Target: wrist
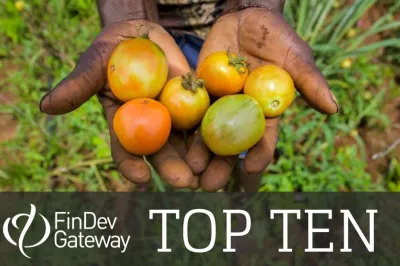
{"points": [[121, 10], [243, 4]]}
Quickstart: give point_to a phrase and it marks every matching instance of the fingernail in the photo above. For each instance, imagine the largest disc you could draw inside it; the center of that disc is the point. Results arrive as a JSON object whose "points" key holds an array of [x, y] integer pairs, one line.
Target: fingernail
{"points": [[333, 97], [40, 104], [42, 100]]}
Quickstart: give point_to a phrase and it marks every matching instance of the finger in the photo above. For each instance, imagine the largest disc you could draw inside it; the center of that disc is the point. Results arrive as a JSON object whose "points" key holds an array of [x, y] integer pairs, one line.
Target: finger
{"points": [[89, 75], [245, 181], [269, 37], [177, 140], [261, 155], [177, 63], [131, 167], [195, 183], [171, 167], [83, 82], [198, 154], [308, 79], [218, 172]]}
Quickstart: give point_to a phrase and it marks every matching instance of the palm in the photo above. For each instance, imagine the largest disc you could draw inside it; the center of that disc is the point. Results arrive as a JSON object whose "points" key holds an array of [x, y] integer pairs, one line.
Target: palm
{"points": [[264, 36], [89, 79]]}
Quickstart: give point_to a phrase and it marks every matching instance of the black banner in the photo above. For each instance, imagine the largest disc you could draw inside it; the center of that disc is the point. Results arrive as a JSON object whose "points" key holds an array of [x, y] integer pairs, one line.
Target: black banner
{"points": [[96, 229]]}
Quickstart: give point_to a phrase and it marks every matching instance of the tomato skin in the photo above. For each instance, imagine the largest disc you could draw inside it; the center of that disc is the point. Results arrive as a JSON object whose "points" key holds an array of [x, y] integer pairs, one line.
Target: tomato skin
{"points": [[220, 76], [186, 107], [272, 87], [137, 68], [142, 126], [233, 124]]}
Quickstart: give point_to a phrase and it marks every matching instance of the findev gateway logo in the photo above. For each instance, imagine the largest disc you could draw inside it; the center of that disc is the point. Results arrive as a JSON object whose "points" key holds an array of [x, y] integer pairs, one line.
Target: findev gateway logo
{"points": [[14, 222], [72, 233]]}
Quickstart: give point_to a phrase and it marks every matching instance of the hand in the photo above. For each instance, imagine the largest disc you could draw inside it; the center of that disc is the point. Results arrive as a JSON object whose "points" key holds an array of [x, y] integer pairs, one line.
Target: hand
{"points": [[89, 78], [263, 36]]}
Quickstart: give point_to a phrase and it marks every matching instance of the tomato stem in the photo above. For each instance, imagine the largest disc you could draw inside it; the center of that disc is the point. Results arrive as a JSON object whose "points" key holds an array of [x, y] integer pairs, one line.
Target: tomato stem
{"points": [[191, 82], [239, 62]]}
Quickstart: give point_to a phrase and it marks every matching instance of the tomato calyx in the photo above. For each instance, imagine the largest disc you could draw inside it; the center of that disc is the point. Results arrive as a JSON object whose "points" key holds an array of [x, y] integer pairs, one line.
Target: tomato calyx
{"points": [[239, 62], [140, 33], [143, 34], [191, 82]]}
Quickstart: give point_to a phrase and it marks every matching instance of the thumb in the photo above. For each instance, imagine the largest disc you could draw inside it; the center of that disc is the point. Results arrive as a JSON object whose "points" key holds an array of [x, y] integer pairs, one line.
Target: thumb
{"points": [[83, 82], [308, 79], [279, 44]]}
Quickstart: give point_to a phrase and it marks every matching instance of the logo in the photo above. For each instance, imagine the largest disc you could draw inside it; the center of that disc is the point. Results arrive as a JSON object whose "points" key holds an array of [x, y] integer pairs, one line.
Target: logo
{"points": [[30, 217]]}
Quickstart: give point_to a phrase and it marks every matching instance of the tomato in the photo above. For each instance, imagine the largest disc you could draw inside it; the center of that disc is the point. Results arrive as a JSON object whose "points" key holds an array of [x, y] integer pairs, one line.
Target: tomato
{"points": [[272, 87], [186, 100], [142, 126], [137, 68], [233, 124], [224, 73]]}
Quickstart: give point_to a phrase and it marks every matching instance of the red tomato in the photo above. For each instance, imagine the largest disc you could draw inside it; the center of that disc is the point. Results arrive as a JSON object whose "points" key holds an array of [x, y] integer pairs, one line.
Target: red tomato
{"points": [[186, 100], [138, 68], [142, 126]]}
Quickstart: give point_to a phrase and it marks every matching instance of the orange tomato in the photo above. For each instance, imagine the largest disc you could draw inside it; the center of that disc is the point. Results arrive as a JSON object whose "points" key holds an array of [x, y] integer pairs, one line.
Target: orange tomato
{"points": [[186, 100], [142, 126], [137, 68], [272, 87], [224, 73]]}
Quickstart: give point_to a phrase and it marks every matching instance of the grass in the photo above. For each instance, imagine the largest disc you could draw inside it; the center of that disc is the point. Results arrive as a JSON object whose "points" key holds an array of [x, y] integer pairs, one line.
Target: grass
{"points": [[71, 152]]}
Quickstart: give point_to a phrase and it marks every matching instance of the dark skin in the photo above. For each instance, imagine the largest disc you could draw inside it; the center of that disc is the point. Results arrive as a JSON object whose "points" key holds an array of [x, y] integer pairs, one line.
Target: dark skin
{"points": [[259, 33]]}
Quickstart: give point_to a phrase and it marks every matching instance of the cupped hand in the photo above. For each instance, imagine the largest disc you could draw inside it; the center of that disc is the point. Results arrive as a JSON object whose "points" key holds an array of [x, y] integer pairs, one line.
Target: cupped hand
{"points": [[89, 78], [263, 36]]}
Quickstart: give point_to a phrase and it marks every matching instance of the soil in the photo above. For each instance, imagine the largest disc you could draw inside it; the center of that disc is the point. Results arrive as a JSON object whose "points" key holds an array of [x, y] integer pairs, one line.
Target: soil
{"points": [[377, 140], [8, 123]]}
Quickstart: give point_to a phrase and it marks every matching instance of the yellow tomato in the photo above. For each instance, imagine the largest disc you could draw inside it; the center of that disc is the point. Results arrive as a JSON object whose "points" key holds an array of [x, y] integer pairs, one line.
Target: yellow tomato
{"points": [[186, 100], [138, 68], [272, 87], [224, 73]]}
